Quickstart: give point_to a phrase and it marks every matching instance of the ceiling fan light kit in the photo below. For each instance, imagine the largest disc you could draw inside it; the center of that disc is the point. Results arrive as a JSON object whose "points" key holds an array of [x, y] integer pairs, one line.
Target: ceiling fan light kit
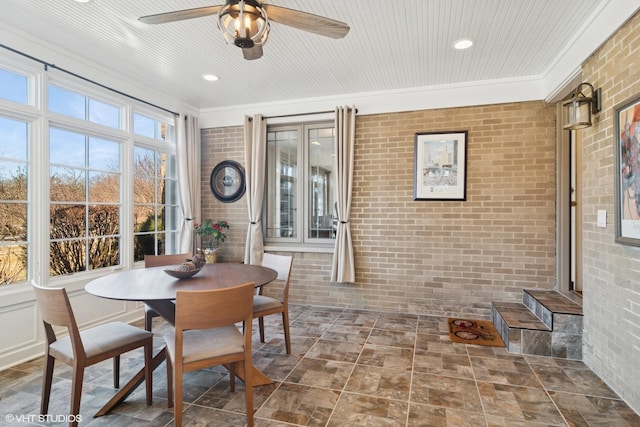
{"points": [[245, 23]]}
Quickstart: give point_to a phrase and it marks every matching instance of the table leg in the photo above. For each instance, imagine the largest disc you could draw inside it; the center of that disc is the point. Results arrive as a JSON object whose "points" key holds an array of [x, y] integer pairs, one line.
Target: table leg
{"points": [[134, 382]]}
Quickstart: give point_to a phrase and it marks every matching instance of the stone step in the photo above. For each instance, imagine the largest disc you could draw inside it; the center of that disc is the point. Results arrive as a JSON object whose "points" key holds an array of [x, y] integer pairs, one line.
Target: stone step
{"points": [[557, 331], [549, 306]]}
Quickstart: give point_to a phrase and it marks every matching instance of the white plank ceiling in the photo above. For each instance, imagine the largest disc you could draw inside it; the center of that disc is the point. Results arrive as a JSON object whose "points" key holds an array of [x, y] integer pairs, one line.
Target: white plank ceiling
{"points": [[392, 45]]}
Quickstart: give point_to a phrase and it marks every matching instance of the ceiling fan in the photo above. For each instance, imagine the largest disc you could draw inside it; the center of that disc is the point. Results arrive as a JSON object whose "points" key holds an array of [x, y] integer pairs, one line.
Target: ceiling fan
{"points": [[246, 23]]}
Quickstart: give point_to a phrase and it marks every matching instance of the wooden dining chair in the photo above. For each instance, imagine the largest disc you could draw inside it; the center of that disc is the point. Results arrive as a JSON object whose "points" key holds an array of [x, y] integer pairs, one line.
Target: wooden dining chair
{"points": [[206, 335], [80, 349], [157, 261], [264, 305]]}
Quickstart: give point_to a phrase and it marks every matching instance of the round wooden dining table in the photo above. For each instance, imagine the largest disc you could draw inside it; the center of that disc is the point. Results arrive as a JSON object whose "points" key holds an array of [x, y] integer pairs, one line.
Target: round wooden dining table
{"points": [[157, 289]]}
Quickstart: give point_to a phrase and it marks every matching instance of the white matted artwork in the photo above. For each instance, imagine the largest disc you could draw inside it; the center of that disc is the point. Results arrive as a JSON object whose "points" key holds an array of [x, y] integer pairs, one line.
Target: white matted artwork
{"points": [[440, 171]]}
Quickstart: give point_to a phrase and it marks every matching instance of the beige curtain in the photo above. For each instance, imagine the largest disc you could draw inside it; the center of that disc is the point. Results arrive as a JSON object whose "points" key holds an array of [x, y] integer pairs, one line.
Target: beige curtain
{"points": [[188, 169], [255, 146], [343, 269]]}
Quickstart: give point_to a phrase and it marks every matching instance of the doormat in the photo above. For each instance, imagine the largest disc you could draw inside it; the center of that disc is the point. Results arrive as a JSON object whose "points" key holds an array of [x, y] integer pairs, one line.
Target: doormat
{"points": [[480, 332]]}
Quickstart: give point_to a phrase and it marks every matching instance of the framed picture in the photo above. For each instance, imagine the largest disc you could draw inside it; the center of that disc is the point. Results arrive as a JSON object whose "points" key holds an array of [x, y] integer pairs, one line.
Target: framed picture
{"points": [[626, 123], [440, 171]]}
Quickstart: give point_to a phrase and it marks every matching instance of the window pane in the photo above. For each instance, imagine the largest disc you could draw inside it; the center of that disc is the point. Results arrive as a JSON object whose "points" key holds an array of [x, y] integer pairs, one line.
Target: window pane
{"points": [[104, 252], [67, 221], [321, 186], [144, 244], [144, 218], [104, 114], [13, 265], [14, 196], [67, 148], [13, 181], [143, 125], [67, 185], [104, 187], [104, 154], [14, 87], [66, 102], [13, 139], [282, 158], [66, 257], [104, 220]]}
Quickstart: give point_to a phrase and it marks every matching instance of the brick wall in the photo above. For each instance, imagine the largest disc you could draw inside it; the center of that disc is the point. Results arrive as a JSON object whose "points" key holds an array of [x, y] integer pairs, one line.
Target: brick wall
{"points": [[610, 270], [430, 257]]}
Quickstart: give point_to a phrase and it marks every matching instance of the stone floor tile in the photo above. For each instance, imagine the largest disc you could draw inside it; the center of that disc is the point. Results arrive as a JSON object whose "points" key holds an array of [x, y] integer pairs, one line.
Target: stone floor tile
{"points": [[518, 403], [300, 405], [509, 371], [386, 357], [446, 364], [571, 380], [335, 350], [321, 373], [594, 411], [421, 415], [368, 411], [448, 392], [381, 382]]}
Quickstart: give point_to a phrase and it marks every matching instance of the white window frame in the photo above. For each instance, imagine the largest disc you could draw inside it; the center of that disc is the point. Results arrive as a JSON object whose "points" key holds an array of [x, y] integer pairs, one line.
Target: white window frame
{"points": [[301, 243]]}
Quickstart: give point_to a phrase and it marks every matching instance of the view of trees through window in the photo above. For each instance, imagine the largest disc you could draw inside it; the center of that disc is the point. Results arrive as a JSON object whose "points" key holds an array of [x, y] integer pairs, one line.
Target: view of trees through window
{"points": [[89, 140]]}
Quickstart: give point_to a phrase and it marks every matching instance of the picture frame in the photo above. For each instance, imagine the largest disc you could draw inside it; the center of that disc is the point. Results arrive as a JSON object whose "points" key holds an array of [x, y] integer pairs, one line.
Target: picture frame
{"points": [[626, 124], [440, 166]]}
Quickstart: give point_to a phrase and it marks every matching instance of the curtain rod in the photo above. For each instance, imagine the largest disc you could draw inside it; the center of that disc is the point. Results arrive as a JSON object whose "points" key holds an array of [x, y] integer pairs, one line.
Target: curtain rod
{"points": [[48, 65], [300, 114]]}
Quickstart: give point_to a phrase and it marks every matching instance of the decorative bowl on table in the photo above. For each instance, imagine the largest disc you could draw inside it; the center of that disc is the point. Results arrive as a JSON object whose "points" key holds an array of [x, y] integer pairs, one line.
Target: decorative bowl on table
{"points": [[184, 271]]}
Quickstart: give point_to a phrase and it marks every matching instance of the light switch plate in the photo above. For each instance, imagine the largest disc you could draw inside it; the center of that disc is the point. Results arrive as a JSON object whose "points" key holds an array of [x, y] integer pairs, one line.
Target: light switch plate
{"points": [[602, 218]]}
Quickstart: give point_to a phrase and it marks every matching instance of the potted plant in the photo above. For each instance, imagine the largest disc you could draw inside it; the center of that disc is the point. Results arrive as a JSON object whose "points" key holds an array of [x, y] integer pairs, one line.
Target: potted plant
{"points": [[211, 234]]}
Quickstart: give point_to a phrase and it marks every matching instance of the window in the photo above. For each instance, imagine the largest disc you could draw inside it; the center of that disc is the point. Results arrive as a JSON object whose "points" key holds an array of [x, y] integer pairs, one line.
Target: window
{"points": [[75, 171], [156, 211], [83, 107], [14, 166], [300, 196], [85, 197]]}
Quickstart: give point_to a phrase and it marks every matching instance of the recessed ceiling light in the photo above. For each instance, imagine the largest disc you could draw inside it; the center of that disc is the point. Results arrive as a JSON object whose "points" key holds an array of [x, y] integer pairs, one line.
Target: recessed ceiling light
{"points": [[83, 1], [463, 44], [210, 77]]}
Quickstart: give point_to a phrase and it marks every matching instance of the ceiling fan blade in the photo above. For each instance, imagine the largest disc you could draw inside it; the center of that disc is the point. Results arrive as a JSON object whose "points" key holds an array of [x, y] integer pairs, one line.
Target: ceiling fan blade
{"points": [[251, 53], [179, 15], [306, 21]]}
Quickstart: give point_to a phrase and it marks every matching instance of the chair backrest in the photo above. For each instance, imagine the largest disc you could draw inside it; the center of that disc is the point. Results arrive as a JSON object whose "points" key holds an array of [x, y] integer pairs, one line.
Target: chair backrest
{"points": [[214, 308], [159, 260], [282, 264], [55, 310]]}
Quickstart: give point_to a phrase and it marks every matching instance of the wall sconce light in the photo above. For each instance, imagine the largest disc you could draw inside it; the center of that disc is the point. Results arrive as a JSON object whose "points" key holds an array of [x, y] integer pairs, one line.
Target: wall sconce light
{"points": [[578, 107]]}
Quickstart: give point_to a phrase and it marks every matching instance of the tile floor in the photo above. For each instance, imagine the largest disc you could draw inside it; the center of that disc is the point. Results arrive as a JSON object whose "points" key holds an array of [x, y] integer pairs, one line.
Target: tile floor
{"points": [[348, 368]]}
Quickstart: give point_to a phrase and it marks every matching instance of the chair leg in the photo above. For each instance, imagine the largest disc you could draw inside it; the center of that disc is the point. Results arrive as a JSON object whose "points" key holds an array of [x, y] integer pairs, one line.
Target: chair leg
{"points": [[287, 335], [116, 371], [76, 392], [248, 391], [232, 377], [169, 383], [261, 327], [46, 383], [177, 401], [148, 320], [148, 371]]}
